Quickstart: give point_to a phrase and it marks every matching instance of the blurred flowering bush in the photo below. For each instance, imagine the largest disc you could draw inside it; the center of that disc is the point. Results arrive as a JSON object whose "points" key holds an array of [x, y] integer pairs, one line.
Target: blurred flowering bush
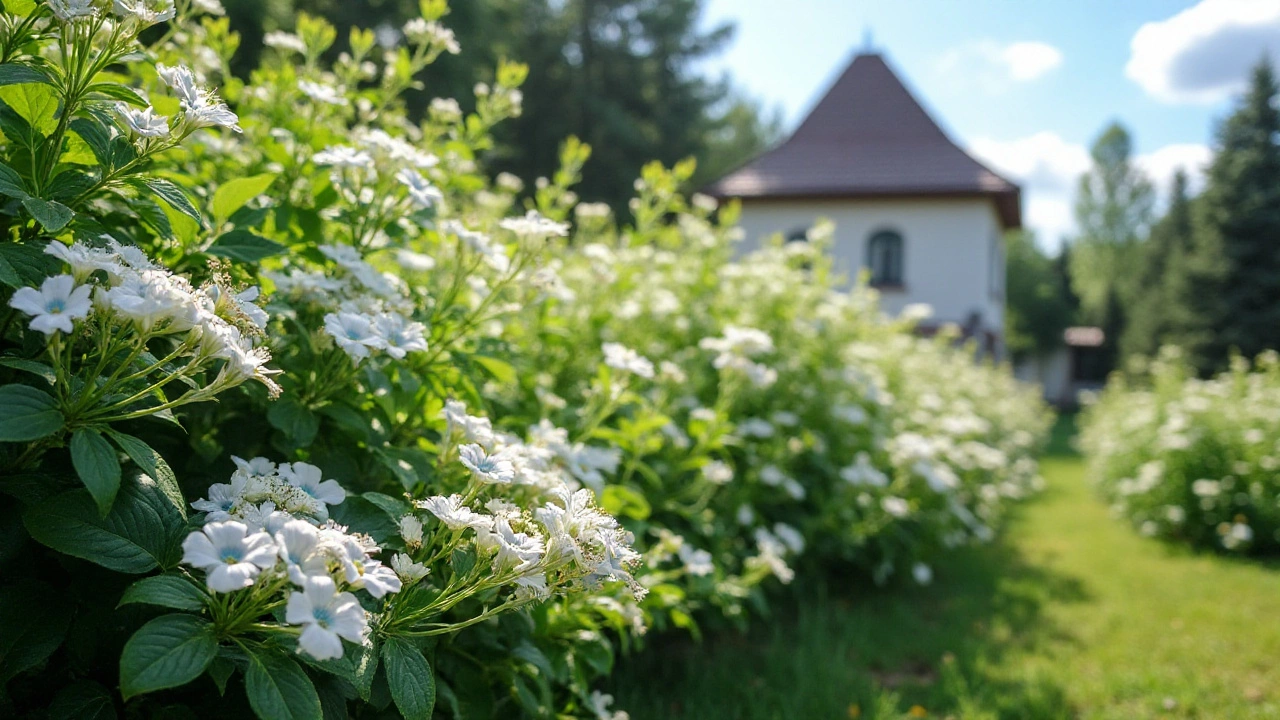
{"points": [[1191, 459], [304, 416]]}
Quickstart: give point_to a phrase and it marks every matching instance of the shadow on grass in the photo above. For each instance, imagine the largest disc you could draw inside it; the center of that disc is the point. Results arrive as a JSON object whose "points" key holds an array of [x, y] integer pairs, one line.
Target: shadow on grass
{"points": [[838, 650]]}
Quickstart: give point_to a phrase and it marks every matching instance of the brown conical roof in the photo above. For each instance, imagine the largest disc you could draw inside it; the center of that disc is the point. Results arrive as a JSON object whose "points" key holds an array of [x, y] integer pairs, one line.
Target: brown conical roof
{"points": [[868, 137]]}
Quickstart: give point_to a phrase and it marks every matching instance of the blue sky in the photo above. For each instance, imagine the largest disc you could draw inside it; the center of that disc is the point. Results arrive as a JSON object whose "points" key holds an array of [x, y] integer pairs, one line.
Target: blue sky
{"points": [[1025, 85]]}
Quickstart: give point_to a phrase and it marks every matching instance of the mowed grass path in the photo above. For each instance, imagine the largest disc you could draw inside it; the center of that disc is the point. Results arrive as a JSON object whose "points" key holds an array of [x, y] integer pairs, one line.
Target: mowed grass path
{"points": [[1070, 615]]}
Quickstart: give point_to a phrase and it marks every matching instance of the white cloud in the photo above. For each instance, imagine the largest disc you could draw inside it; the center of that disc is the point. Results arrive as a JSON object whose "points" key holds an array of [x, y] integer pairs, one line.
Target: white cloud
{"points": [[994, 66], [1049, 168], [1203, 54]]}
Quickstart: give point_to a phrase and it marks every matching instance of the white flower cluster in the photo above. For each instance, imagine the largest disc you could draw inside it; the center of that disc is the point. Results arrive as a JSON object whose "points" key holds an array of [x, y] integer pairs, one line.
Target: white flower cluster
{"points": [[269, 526], [151, 301], [735, 350], [201, 106]]}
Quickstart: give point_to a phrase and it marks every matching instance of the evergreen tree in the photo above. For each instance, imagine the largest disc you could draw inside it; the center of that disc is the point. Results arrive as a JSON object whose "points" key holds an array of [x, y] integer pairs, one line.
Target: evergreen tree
{"points": [[1037, 306], [1170, 240], [618, 74], [1240, 219]]}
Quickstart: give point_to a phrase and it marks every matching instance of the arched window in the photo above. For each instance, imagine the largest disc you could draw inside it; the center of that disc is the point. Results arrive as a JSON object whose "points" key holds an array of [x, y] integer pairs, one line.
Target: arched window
{"points": [[884, 258]]}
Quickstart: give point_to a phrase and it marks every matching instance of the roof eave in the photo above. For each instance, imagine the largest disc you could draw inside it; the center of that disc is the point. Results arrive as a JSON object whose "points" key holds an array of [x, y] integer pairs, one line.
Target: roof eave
{"points": [[1008, 202]]}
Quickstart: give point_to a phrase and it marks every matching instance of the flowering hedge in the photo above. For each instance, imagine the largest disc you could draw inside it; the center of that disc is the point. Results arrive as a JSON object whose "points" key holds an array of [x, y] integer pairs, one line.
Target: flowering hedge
{"points": [[303, 413], [1191, 459]]}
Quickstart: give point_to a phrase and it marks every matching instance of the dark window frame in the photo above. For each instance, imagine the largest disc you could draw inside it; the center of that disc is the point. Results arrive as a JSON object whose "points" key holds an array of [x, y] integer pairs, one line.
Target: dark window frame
{"points": [[886, 258]]}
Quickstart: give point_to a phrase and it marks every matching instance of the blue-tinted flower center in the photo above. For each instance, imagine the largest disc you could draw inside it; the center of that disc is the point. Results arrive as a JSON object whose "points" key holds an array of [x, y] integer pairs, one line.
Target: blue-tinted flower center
{"points": [[232, 555], [55, 306], [323, 618]]}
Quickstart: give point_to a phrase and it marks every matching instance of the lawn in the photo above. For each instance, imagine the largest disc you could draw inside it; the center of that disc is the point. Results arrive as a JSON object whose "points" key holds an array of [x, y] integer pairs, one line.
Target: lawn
{"points": [[1070, 614]]}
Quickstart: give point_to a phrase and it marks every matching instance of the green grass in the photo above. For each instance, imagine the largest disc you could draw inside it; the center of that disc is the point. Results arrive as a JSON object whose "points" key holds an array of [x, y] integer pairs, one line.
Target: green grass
{"points": [[1070, 615]]}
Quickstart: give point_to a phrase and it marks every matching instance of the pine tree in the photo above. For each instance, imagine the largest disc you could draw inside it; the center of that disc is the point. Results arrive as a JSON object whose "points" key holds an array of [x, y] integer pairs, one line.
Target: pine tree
{"points": [[1240, 218], [1170, 240]]}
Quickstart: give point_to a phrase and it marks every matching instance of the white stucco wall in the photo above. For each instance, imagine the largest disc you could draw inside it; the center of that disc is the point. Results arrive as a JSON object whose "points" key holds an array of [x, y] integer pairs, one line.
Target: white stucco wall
{"points": [[948, 245]]}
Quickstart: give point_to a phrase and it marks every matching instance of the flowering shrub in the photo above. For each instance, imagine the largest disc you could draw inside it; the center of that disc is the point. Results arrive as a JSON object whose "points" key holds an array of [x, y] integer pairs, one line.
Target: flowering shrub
{"points": [[1190, 459], [491, 441]]}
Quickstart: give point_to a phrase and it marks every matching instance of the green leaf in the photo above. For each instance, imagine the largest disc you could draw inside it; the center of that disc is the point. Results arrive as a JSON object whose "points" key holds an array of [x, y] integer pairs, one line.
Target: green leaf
{"points": [[294, 420], [413, 687], [33, 621], [83, 700], [171, 194], [11, 184], [51, 214], [622, 500], [116, 91], [34, 102], [234, 194], [29, 261], [501, 370], [97, 465], [171, 591], [29, 414], [151, 463], [245, 246], [8, 274], [38, 369], [14, 74], [21, 8], [395, 508], [363, 516], [142, 531], [169, 651], [278, 689]]}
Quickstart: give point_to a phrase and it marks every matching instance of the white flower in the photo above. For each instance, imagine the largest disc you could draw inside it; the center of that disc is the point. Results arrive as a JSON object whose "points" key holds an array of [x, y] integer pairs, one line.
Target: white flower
{"points": [[284, 41], [423, 193], [143, 122], [322, 93], [895, 506], [454, 514], [354, 333], [84, 260], [72, 9], [212, 7], [146, 12], [230, 557], [343, 156], [56, 305], [696, 562], [922, 573], [408, 570], [717, 472], [411, 530], [415, 261], [298, 544], [771, 475], [329, 617], [599, 705], [790, 537], [620, 357], [400, 336], [152, 298], [308, 479], [485, 467], [517, 551], [202, 106], [534, 226]]}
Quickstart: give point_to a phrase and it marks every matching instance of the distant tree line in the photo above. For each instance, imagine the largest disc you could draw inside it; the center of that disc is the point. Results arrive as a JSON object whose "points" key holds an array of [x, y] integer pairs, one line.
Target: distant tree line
{"points": [[621, 75], [1204, 276]]}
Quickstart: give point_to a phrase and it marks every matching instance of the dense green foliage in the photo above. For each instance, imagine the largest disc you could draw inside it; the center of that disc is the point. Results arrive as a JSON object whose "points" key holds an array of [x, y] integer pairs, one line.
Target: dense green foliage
{"points": [[305, 415], [1038, 303]]}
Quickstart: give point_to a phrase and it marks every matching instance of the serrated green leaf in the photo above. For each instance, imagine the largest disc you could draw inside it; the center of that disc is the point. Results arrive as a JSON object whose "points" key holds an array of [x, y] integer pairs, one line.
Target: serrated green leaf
{"points": [[413, 686], [11, 184], [141, 532], [38, 369], [154, 465], [15, 74], [169, 651], [97, 465], [295, 420], [29, 414], [245, 246], [171, 591], [51, 214], [278, 689], [35, 103], [175, 196], [235, 194], [116, 91]]}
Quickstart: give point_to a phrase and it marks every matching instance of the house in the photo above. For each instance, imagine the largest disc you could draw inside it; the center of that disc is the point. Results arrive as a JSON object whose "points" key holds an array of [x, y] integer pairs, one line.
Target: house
{"points": [[924, 218]]}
